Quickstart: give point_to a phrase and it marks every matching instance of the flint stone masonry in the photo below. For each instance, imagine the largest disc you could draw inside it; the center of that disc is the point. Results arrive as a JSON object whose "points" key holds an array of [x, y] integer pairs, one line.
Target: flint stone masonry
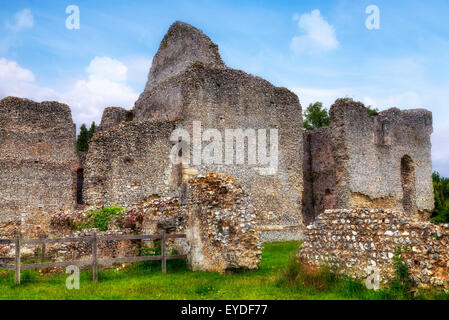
{"points": [[128, 164], [113, 116], [217, 216], [205, 90], [355, 241], [363, 161], [359, 161], [182, 45], [222, 228], [38, 162], [319, 174]]}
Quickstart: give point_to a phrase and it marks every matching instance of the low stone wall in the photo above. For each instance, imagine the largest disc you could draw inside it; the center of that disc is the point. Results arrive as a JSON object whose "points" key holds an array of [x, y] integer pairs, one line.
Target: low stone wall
{"points": [[359, 241]]}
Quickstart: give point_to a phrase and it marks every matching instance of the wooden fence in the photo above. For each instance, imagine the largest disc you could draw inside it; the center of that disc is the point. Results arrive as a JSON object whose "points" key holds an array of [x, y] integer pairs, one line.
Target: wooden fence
{"points": [[95, 261]]}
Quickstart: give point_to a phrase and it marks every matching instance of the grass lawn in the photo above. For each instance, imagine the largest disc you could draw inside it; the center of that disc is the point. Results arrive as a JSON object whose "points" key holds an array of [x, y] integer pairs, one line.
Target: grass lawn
{"points": [[146, 281]]}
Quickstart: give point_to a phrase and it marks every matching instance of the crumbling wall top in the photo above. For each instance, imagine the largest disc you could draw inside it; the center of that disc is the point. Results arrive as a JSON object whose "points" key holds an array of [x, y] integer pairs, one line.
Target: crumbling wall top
{"points": [[182, 45], [113, 116], [370, 150], [23, 114]]}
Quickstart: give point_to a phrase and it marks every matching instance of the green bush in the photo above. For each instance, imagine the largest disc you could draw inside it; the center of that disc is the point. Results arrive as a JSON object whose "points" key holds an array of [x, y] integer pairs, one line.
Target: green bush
{"points": [[441, 193], [372, 111], [99, 219], [401, 285]]}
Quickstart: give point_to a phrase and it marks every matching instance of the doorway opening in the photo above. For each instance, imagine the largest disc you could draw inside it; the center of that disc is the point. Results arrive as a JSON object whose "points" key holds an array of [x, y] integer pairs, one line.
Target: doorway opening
{"points": [[79, 185]]}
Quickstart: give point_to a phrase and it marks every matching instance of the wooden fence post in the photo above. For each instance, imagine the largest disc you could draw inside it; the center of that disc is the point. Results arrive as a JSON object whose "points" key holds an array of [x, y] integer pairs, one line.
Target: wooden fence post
{"points": [[163, 252], [43, 248], [94, 258], [17, 260], [43, 252]]}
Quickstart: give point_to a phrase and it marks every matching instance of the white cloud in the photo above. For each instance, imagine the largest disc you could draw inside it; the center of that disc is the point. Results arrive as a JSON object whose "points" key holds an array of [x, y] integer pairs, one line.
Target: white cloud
{"points": [[17, 81], [104, 86], [11, 68], [105, 68], [22, 20], [402, 100], [319, 36]]}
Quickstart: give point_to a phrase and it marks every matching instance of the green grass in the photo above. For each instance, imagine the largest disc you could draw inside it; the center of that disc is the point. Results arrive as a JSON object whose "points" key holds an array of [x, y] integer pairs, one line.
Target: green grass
{"points": [[276, 279]]}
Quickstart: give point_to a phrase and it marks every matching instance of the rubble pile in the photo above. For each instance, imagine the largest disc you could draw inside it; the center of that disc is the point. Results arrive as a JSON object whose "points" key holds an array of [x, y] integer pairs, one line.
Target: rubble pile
{"points": [[222, 225]]}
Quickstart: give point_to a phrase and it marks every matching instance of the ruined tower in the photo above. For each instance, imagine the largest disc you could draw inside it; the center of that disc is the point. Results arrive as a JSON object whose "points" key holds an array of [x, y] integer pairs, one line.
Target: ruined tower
{"points": [[37, 164], [362, 161], [189, 82]]}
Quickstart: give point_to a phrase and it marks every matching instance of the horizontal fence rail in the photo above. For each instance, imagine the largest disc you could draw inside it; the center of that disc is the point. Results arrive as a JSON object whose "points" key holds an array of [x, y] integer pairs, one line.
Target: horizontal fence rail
{"points": [[94, 261]]}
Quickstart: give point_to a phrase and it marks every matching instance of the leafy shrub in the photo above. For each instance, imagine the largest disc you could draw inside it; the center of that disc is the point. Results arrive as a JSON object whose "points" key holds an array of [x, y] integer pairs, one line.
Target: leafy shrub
{"points": [[401, 285], [441, 193], [99, 219], [372, 111]]}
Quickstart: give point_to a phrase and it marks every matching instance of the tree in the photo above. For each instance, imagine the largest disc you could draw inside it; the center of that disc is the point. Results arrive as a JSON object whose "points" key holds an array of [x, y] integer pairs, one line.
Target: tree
{"points": [[82, 142], [441, 193], [316, 116], [92, 130]]}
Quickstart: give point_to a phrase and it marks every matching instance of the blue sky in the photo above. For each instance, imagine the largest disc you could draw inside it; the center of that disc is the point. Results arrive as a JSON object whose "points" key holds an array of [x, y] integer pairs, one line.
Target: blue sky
{"points": [[319, 49]]}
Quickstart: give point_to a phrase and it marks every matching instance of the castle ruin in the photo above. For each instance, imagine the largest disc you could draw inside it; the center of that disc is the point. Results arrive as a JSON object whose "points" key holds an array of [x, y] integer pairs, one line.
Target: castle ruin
{"points": [[363, 161], [359, 161]]}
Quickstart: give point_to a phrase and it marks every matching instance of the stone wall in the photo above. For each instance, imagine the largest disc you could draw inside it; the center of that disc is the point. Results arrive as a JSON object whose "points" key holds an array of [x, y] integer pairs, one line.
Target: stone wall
{"points": [[128, 164], [205, 90], [218, 217], [113, 116], [222, 226], [180, 47], [358, 241], [319, 173], [37, 164], [363, 161]]}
